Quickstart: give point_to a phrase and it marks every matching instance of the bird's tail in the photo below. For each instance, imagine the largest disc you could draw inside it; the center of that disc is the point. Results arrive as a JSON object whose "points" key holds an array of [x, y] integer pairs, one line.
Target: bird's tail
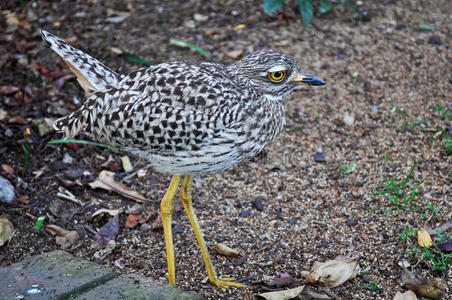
{"points": [[91, 73]]}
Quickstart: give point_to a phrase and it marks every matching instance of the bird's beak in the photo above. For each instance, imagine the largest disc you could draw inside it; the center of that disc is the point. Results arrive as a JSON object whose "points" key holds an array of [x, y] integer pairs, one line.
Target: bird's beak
{"points": [[307, 79]]}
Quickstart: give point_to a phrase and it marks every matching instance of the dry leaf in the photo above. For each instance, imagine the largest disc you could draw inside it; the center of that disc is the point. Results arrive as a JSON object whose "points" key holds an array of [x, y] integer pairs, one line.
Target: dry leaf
{"points": [[408, 295], [6, 230], [309, 293], [107, 182], [126, 165], [235, 54], [423, 238], [23, 200], [64, 238], [106, 234], [282, 295], [430, 288], [335, 272], [133, 219], [56, 230], [8, 169], [111, 212], [225, 250]]}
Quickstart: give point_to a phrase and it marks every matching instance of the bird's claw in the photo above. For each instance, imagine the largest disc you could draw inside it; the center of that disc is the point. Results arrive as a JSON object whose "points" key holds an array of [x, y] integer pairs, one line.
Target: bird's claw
{"points": [[226, 282]]}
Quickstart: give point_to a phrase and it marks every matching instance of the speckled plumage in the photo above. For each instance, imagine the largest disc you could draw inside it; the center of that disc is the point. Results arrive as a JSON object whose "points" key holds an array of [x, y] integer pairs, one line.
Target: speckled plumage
{"points": [[184, 117]]}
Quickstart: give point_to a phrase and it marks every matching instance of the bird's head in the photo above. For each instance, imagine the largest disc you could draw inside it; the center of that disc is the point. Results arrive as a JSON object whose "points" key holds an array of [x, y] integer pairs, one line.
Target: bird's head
{"points": [[272, 73]]}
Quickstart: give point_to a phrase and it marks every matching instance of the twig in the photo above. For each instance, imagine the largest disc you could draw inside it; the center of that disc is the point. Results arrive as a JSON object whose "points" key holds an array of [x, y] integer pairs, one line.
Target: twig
{"points": [[65, 194], [443, 228]]}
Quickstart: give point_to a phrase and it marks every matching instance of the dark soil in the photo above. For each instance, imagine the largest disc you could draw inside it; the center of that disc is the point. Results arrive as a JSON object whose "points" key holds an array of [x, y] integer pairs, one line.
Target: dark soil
{"points": [[383, 111]]}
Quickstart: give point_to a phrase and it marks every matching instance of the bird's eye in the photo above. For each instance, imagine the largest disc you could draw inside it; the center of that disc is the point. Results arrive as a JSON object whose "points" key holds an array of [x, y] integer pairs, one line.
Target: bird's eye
{"points": [[277, 76]]}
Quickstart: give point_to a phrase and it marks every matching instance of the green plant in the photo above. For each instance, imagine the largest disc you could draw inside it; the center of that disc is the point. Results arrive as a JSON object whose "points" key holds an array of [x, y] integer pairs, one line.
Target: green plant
{"points": [[397, 191], [445, 112], [26, 157], [307, 7], [438, 260], [372, 286], [407, 233], [349, 169]]}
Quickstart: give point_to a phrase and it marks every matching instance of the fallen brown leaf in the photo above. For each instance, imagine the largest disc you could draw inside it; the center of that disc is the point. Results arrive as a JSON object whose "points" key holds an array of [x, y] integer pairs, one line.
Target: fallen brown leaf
{"points": [[423, 238], [111, 212], [333, 273], [107, 182], [408, 295], [106, 234], [23, 200], [8, 169], [6, 230], [282, 295], [63, 237], [133, 219], [309, 293], [235, 54], [430, 288], [225, 250]]}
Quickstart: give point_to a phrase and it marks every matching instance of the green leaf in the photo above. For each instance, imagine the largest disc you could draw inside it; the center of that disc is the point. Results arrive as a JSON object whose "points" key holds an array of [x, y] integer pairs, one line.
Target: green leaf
{"points": [[39, 222], [427, 27], [307, 11], [189, 45], [270, 6], [136, 59], [78, 142], [26, 157], [325, 6]]}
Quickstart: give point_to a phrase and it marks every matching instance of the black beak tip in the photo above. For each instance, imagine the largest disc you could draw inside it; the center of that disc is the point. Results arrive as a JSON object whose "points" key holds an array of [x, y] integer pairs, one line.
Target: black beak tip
{"points": [[318, 82]]}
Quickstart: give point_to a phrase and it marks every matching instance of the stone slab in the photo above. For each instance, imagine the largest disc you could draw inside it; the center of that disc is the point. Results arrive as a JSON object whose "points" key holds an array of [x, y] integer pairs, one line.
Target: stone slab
{"points": [[137, 287], [52, 275]]}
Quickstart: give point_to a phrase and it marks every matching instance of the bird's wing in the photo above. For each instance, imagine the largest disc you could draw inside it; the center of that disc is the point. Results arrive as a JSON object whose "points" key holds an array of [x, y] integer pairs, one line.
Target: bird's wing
{"points": [[91, 73], [185, 84]]}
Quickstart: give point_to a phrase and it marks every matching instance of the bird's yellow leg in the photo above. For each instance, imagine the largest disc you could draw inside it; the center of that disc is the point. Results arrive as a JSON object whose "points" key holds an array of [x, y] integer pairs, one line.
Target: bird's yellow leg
{"points": [[166, 211], [185, 194]]}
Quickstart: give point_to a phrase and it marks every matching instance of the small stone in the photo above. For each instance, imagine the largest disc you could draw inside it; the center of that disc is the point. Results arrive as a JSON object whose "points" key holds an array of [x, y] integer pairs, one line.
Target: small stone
{"points": [[351, 222], [319, 157], [178, 229], [190, 24], [68, 159], [73, 174], [348, 119], [258, 204], [200, 18], [293, 221], [146, 227], [434, 40], [245, 213], [7, 194]]}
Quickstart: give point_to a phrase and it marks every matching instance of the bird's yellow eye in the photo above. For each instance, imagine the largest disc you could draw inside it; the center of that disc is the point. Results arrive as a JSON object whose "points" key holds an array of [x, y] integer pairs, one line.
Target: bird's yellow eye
{"points": [[277, 76]]}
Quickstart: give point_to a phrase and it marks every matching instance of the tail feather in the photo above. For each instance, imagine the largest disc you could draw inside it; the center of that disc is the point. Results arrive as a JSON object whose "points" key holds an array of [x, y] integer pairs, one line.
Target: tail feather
{"points": [[91, 73]]}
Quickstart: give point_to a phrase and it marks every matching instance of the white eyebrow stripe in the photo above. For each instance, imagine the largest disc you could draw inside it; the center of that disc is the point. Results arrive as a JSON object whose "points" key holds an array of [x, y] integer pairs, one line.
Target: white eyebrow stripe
{"points": [[277, 68]]}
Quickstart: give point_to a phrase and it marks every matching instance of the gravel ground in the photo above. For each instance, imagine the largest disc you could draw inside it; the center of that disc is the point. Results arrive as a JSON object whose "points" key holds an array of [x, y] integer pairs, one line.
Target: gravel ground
{"points": [[312, 195]]}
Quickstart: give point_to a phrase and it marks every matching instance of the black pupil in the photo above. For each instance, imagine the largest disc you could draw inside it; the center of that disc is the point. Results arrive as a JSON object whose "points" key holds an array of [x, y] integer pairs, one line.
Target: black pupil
{"points": [[277, 75]]}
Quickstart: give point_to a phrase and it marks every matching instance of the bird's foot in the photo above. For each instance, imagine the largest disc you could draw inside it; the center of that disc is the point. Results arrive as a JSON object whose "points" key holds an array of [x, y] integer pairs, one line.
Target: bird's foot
{"points": [[226, 282]]}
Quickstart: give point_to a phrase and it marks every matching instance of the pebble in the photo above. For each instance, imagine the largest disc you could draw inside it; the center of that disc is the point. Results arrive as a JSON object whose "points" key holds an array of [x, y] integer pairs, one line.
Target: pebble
{"points": [[434, 40], [319, 157], [258, 204], [245, 213], [351, 222], [146, 227], [68, 159], [7, 194], [178, 229]]}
